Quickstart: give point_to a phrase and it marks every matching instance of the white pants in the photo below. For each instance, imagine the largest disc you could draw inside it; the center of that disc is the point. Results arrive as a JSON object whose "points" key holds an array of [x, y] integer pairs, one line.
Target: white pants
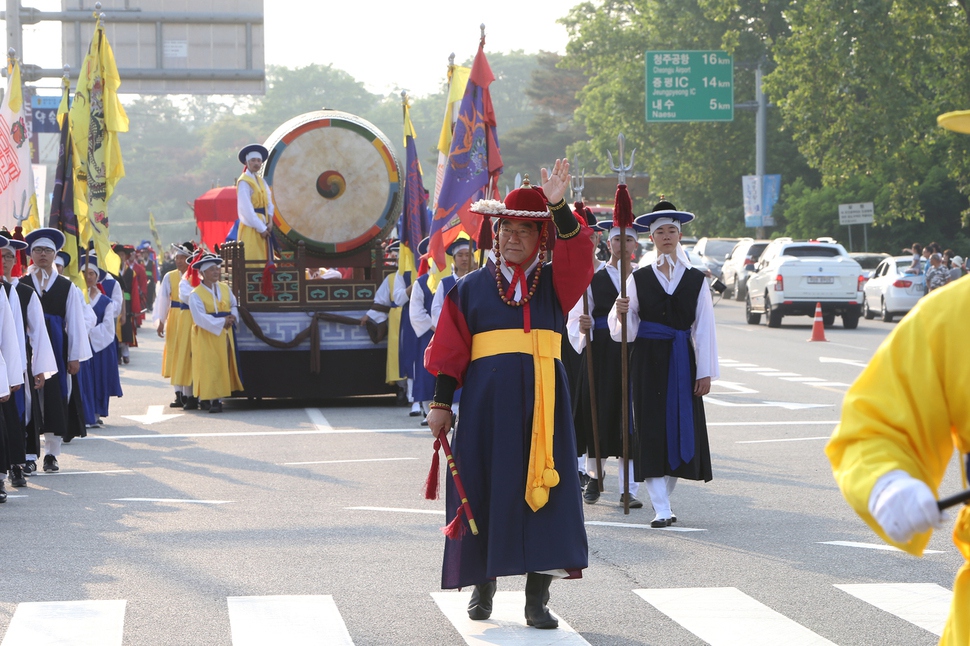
{"points": [[590, 470], [52, 444], [659, 490]]}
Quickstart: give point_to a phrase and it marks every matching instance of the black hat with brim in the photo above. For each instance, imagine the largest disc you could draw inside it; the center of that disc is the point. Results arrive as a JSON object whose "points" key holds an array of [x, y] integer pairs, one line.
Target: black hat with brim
{"points": [[259, 148]]}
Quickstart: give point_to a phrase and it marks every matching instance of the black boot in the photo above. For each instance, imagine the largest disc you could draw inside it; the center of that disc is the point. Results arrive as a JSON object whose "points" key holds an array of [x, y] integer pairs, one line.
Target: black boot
{"points": [[480, 605], [17, 478], [536, 597], [3, 498], [592, 493], [191, 403], [179, 402]]}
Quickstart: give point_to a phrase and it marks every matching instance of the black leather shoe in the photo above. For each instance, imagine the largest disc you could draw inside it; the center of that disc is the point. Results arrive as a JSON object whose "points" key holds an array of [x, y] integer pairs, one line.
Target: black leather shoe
{"points": [[30, 468], [592, 492], [17, 478], [178, 403], [537, 614], [634, 502], [3, 492], [50, 463], [480, 605], [583, 480], [215, 406], [660, 522], [191, 403]]}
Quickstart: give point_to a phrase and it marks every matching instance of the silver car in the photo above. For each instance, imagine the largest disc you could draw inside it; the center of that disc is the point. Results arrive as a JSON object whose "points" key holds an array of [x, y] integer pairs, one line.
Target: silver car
{"points": [[894, 288], [739, 264]]}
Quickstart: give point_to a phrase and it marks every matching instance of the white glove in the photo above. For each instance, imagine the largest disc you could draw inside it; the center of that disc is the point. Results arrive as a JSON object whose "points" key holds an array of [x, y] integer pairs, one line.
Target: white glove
{"points": [[904, 506]]}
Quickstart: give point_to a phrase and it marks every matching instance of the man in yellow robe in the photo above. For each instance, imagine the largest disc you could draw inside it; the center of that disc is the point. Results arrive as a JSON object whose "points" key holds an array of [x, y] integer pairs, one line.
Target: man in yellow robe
{"points": [[215, 372], [901, 420], [254, 204], [166, 313]]}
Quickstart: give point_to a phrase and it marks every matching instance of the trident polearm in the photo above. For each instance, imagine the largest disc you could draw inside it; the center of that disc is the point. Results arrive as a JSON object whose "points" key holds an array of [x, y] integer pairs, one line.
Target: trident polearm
{"points": [[621, 170], [577, 184]]}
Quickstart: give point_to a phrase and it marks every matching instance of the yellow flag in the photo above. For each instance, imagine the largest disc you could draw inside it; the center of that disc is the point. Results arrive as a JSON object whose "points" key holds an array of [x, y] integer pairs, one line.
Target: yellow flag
{"points": [[18, 203], [457, 81], [96, 119]]}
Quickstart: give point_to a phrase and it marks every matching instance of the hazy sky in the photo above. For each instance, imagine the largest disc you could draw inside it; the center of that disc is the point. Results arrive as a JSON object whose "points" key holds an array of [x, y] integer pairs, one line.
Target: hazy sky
{"points": [[385, 44]]}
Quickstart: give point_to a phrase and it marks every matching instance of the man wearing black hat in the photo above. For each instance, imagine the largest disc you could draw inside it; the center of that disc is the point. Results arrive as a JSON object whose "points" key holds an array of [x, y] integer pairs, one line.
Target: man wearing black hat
{"points": [[126, 278], [166, 312], [670, 321], [500, 336], [254, 204]]}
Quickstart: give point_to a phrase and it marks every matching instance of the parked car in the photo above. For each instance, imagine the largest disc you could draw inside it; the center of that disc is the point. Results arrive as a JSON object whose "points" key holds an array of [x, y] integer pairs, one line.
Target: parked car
{"points": [[892, 290], [868, 261], [739, 263], [791, 277], [714, 251]]}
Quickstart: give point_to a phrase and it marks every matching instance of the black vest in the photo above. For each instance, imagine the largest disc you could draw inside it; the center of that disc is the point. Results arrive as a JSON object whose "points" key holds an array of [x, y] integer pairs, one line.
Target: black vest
{"points": [[54, 300], [604, 293], [675, 310]]}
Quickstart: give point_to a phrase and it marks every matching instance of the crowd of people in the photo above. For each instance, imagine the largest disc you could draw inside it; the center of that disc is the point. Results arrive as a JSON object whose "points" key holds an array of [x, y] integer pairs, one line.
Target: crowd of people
{"points": [[941, 266]]}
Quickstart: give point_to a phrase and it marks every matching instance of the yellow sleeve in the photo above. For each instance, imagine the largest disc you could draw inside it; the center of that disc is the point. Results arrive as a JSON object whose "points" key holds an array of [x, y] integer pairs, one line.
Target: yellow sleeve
{"points": [[905, 409]]}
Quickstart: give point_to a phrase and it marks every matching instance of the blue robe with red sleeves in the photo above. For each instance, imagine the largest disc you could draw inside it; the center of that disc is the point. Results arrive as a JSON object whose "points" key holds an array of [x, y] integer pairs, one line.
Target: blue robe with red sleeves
{"points": [[492, 440]]}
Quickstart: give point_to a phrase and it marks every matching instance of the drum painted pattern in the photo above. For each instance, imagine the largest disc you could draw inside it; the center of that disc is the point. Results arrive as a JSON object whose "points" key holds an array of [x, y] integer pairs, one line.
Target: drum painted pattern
{"points": [[336, 182]]}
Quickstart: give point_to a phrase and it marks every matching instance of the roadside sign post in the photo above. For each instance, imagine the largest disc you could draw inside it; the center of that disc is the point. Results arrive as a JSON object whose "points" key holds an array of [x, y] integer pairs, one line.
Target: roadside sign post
{"points": [[857, 213]]}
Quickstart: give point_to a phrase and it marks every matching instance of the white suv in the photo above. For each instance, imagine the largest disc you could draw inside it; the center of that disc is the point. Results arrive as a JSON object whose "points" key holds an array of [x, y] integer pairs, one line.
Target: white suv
{"points": [[792, 277]]}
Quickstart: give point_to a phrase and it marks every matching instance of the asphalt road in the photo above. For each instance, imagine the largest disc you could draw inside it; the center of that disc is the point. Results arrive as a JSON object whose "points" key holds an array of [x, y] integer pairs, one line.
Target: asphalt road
{"points": [[207, 529]]}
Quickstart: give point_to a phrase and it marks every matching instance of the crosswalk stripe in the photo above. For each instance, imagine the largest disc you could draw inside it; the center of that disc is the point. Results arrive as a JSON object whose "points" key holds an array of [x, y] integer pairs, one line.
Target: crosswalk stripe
{"points": [[923, 604], [74, 623], [728, 617], [300, 619], [507, 624]]}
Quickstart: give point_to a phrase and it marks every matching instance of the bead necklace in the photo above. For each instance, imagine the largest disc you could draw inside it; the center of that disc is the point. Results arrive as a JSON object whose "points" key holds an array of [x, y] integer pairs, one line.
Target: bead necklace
{"points": [[535, 278]]}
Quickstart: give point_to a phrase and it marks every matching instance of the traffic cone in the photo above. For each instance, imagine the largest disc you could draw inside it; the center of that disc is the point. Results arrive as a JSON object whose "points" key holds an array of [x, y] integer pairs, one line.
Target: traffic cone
{"points": [[818, 328]]}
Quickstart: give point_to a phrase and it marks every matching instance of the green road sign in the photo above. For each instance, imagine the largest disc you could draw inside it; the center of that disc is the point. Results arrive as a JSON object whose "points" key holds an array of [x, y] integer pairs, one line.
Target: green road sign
{"points": [[690, 86]]}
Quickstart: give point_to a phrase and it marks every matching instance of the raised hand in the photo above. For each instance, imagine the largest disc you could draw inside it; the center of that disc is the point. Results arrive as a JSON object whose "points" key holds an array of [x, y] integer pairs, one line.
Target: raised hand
{"points": [[555, 184]]}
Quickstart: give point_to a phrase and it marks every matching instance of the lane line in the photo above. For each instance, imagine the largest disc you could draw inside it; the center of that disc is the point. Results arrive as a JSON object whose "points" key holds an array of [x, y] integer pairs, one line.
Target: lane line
{"points": [[195, 502], [672, 528], [296, 619], [873, 546], [398, 510], [728, 617], [788, 439], [923, 604], [78, 623], [80, 473], [336, 431], [506, 626], [346, 461], [317, 418]]}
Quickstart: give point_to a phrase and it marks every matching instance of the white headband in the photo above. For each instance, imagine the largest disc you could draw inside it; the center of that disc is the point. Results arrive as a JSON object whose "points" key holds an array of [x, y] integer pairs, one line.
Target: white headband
{"points": [[205, 264], [43, 243], [254, 154], [615, 232], [659, 222], [58, 261]]}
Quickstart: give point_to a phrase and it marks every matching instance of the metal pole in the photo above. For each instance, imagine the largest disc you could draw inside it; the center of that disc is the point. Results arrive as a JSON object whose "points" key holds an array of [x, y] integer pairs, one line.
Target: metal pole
{"points": [[865, 237], [15, 37], [850, 237], [760, 141]]}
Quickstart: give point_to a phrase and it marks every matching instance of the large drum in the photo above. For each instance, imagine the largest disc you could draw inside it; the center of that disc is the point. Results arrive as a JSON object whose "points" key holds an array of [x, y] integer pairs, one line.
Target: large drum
{"points": [[336, 183]]}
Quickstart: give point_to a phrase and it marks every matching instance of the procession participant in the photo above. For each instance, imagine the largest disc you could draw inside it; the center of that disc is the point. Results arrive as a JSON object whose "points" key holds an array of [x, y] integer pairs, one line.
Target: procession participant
{"points": [[215, 373], [11, 380], [602, 293], [146, 258], [499, 335], [388, 300], [901, 420], [254, 204], [139, 291], [166, 312], [35, 353], [668, 306], [182, 367], [63, 305], [103, 380], [126, 278], [62, 260], [419, 313]]}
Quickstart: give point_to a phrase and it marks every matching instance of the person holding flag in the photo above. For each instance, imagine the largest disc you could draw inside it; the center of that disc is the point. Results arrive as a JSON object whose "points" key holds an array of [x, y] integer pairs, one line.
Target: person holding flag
{"points": [[670, 321], [499, 336]]}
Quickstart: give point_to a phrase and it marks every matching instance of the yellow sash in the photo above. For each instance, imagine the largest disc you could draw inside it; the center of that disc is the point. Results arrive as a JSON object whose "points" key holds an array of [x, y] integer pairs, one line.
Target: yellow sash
{"points": [[545, 346]]}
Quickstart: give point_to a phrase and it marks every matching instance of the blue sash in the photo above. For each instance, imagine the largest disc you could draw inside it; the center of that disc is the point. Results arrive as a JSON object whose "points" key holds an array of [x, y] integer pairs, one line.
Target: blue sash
{"points": [[182, 306], [680, 405], [600, 323], [176, 305]]}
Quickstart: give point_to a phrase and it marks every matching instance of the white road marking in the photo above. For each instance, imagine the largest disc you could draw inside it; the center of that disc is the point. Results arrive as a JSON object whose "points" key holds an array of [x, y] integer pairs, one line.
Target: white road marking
{"points": [[336, 431], [787, 439], [81, 473], [923, 604], [155, 414], [873, 546], [728, 617], [672, 528], [743, 365], [399, 510], [195, 502], [763, 404], [313, 620], [756, 369], [346, 461], [789, 423], [506, 626], [319, 421], [829, 384], [732, 386], [848, 362], [78, 623]]}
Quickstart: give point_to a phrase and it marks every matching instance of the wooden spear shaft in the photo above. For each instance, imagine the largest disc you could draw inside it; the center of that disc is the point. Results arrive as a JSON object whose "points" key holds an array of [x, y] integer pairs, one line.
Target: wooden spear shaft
{"points": [[624, 380], [592, 398]]}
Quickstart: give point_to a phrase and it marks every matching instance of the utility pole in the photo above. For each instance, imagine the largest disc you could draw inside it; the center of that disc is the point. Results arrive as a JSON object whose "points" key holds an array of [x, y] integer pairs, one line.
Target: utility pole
{"points": [[15, 38], [760, 139]]}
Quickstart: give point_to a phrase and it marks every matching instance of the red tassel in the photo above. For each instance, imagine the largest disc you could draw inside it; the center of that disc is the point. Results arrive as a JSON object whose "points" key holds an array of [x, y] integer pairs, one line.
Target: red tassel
{"points": [[20, 256], [266, 285], [622, 208], [456, 528], [431, 484], [485, 233]]}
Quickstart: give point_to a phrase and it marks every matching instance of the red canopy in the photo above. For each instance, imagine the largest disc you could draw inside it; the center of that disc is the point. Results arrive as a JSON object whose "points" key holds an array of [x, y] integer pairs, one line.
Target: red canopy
{"points": [[215, 213]]}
